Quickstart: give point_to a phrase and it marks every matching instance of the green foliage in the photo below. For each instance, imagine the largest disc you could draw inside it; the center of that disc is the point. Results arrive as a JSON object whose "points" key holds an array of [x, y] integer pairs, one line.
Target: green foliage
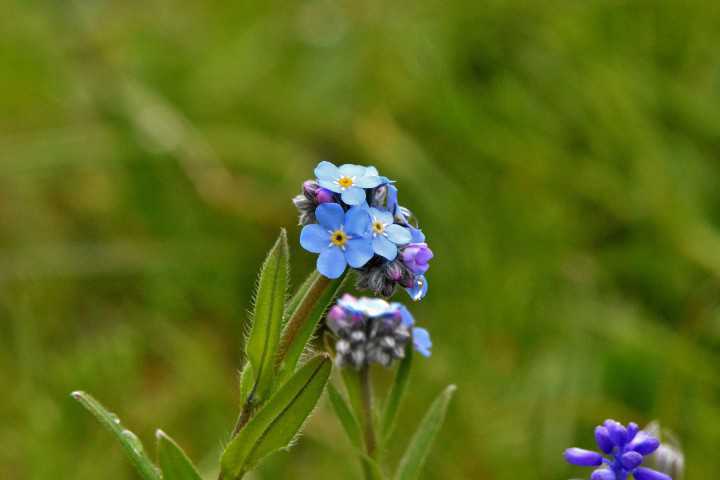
{"points": [[262, 344], [130, 443], [174, 464], [347, 419], [417, 451], [397, 392], [279, 421]]}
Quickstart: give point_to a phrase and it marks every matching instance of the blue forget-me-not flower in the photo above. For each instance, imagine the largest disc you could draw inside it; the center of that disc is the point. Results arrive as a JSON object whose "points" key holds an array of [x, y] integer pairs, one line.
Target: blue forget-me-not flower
{"points": [[340, 237], [350, 181], [624, 449]]}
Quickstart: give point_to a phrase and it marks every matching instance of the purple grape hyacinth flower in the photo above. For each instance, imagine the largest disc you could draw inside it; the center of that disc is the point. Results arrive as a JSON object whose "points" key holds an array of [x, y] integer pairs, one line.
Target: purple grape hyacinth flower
{"points": [[340, 237], [624, 448], [350, 181]]}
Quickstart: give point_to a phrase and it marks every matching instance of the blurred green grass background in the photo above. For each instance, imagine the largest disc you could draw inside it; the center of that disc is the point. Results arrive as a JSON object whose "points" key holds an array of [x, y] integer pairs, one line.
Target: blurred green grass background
{"points": [[562, 157]]}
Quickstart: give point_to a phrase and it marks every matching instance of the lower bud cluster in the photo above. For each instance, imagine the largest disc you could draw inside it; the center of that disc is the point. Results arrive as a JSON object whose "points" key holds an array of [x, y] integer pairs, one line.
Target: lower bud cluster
{"points": [[371, 330]]}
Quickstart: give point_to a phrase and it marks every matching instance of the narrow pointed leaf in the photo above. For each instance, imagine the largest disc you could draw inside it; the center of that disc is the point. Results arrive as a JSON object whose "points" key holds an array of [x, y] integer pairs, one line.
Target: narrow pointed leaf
{"points": [[345, 415], [396, 394], [304, 319], [413, 460], [264, 336], [129, 441], [279, 421], [175, 465]]}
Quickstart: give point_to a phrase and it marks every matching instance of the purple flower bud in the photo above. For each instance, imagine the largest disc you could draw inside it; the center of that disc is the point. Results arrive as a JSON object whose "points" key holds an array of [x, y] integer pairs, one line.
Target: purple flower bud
{"points": [[336, 313], [602, 437], [582, 458], [632, 430], [618, 433], [644, 444], [603, 474], [642, 473], [323, 195], [310, 188], [631, 460], [416, 256]]}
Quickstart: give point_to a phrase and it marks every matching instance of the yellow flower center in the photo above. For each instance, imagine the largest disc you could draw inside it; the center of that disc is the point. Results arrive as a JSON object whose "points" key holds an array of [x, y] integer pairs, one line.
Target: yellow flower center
{"points": [[338, 238], [378, 227], [345, 182]]}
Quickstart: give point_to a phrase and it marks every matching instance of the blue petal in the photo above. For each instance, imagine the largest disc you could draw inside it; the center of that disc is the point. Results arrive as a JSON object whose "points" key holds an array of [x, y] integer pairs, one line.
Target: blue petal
{"points": [[357, 222], [353, 196], [330, 215], [368, 181], [350, 170], [314, 238], [405, 314], [358, 252], [392, 198], [384, 247], [372, 172], [327, 170], [421, 341], [397, 234], [331, 185], [417, 235], [385, 217], [331, 262]]}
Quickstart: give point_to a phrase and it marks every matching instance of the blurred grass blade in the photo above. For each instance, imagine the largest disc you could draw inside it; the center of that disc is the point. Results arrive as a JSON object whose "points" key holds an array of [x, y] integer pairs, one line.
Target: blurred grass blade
{"points": [[175, 465], [280, 420], [304, 319], [264, 336], [396, 395], [345, 415], [414, 458], [130, 443]]}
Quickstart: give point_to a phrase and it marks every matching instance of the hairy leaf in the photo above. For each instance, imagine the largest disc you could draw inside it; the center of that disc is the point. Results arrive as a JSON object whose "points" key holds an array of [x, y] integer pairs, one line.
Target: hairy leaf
{"points": [[278, 422], [304, 319], [264, 336]]}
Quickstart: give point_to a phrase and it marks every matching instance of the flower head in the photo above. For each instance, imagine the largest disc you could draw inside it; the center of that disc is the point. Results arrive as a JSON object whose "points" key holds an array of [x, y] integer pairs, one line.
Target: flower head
{"points": [[398, 254], [371, 330], [624, 448], [340, 237]]}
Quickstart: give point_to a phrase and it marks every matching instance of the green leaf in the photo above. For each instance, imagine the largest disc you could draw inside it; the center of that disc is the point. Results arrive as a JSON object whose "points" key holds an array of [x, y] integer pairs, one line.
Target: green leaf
{"points": [[396, 395], [175, 465], [300, 293], [261, 348], [130, 443], [304, 319], [247, 381], [279, 421], [412, 461], [346, 417]]}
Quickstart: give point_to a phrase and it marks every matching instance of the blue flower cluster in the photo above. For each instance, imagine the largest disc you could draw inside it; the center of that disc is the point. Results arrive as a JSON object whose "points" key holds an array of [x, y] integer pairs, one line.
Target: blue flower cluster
{"points": [[351, 216], [371, 330], [625, 448]]}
